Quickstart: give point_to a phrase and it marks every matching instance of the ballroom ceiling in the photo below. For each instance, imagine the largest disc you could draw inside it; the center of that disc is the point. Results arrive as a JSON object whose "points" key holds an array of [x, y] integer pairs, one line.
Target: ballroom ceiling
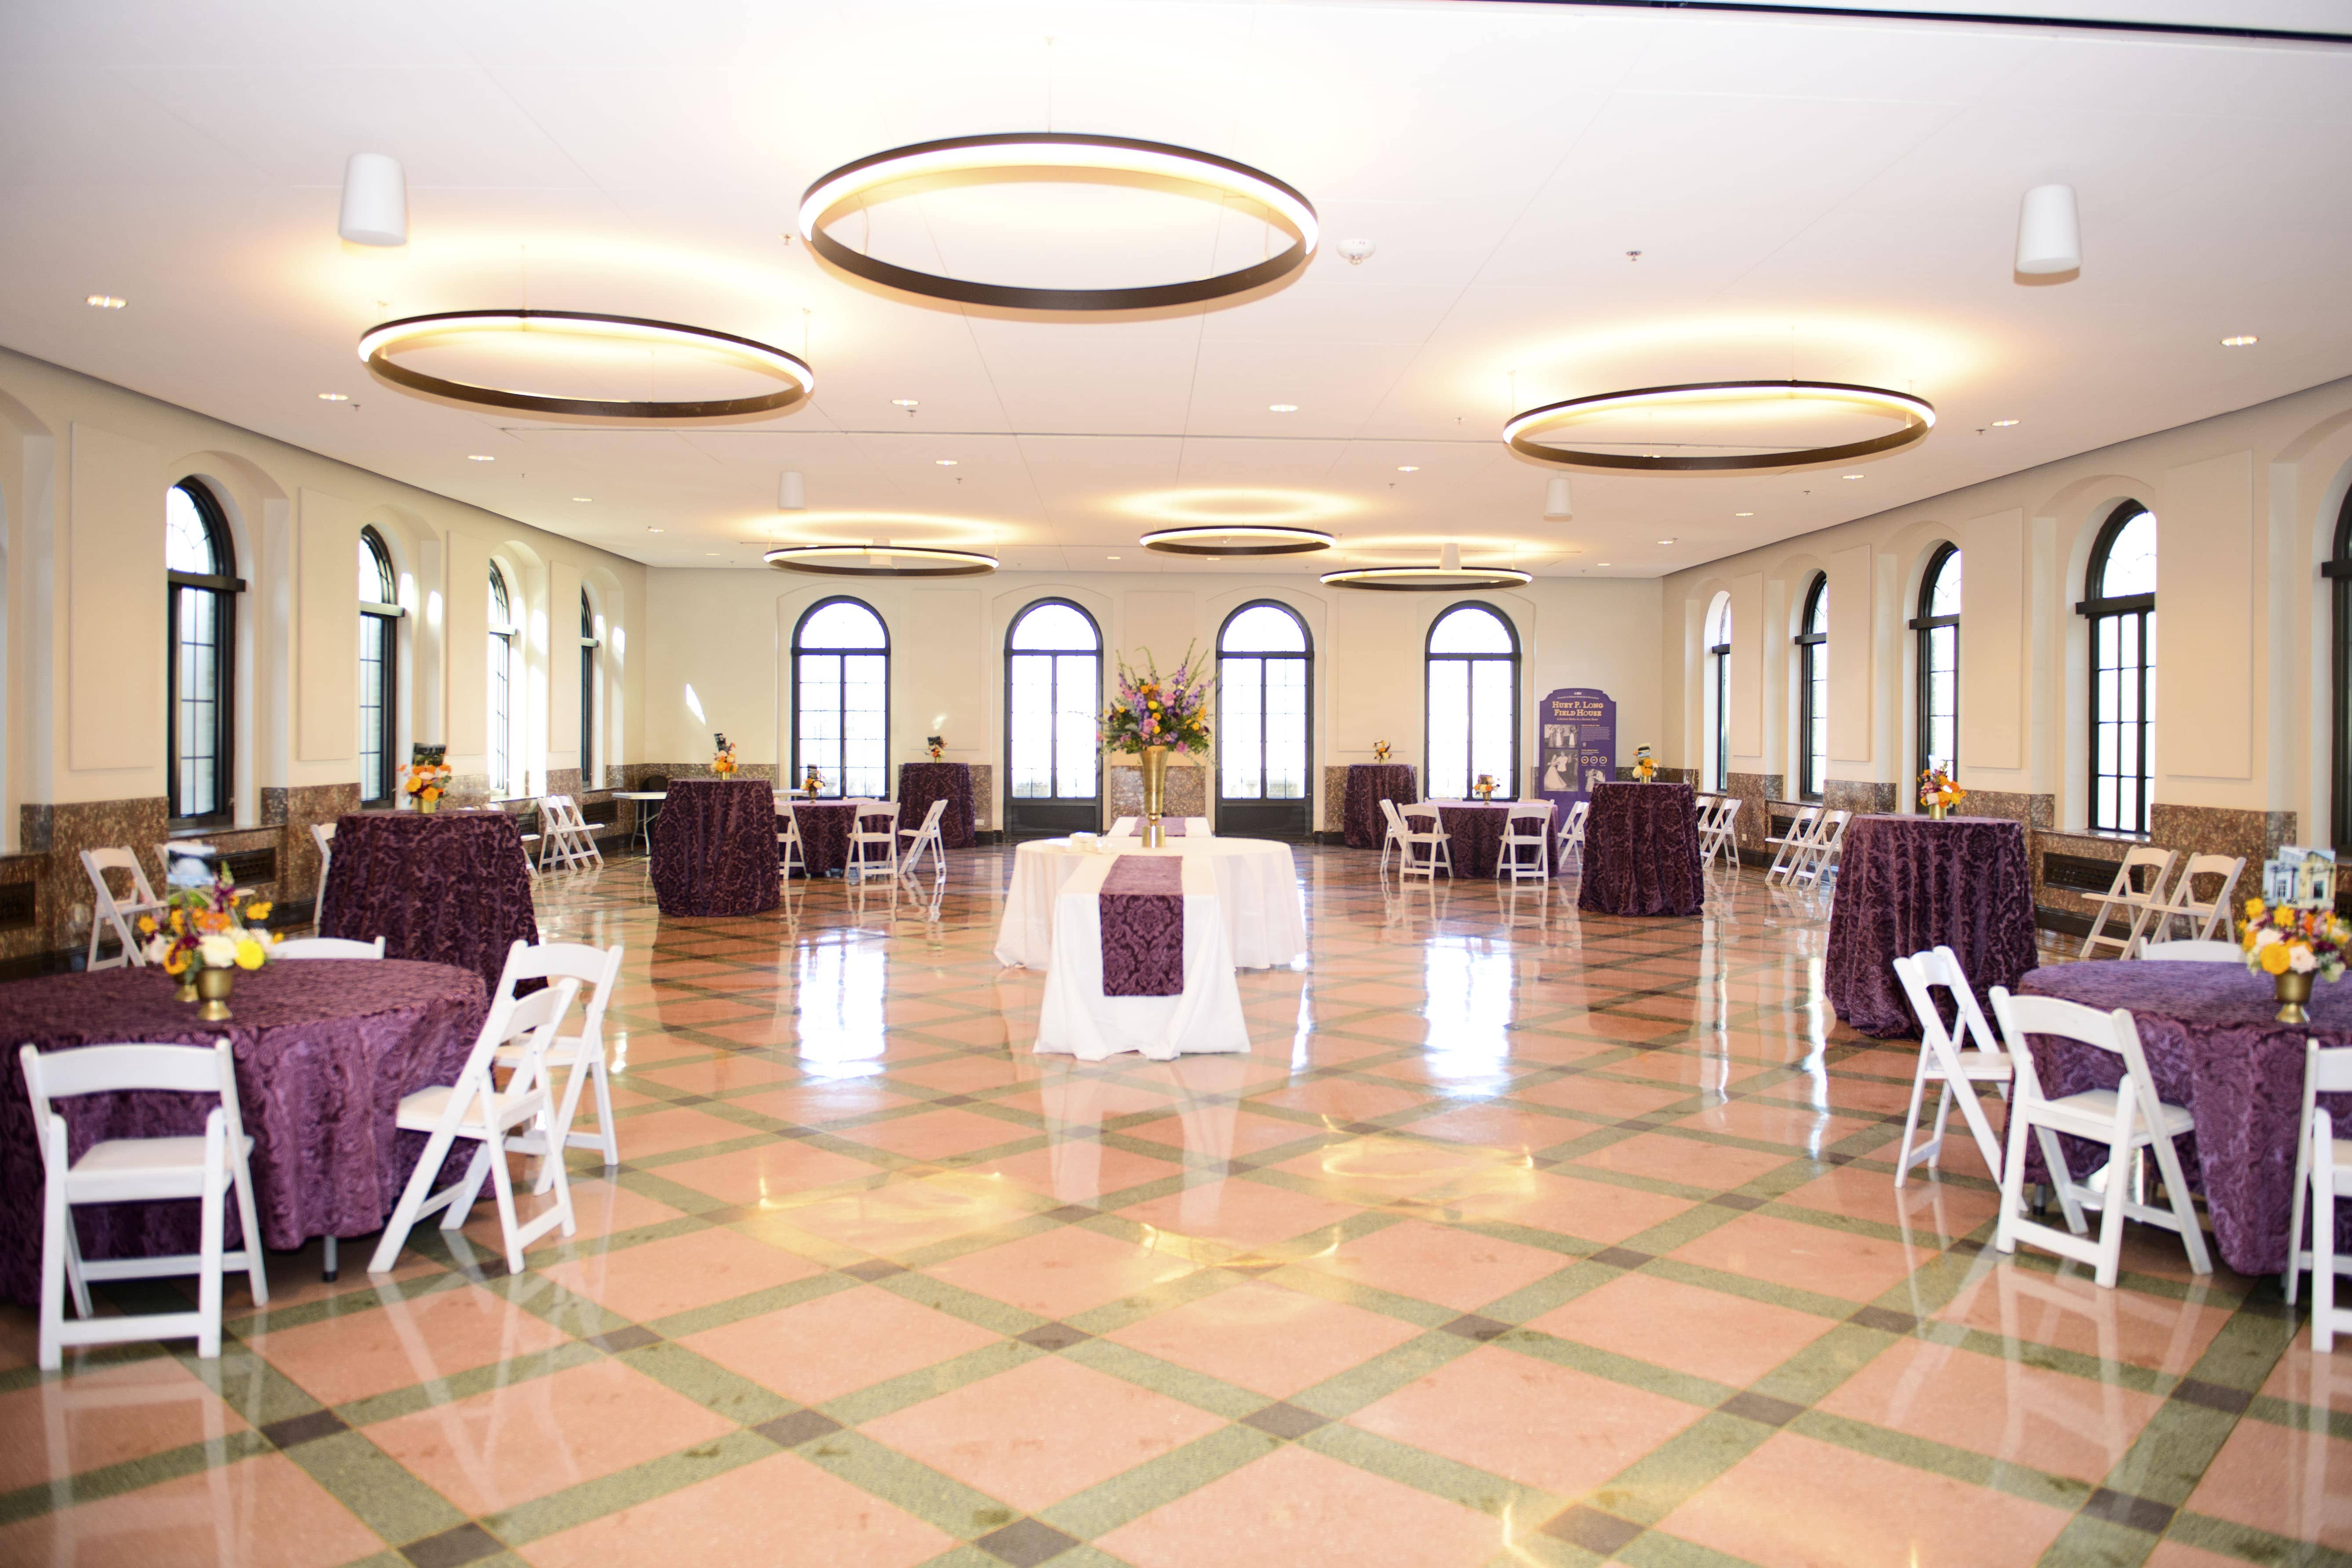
{"points": [[1562, 200]]}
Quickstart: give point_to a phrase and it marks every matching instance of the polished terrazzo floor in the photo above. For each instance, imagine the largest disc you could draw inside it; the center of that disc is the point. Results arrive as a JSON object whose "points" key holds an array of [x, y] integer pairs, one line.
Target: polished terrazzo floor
{"points": [[1519, 1238]]}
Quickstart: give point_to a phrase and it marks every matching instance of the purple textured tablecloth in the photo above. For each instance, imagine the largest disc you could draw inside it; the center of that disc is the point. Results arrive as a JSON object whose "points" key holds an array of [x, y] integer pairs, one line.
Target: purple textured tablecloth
{"points": [[714, 848], [324, 1048], [1142, 905], [2214, 1046], [919, 784], [446, 887], [1369, 784], [1641, 851], [825, 834], [1905, 884], [1476, 835]]}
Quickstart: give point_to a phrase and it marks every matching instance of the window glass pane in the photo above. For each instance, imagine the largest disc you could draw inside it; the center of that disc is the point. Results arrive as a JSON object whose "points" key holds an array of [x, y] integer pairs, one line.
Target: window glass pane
{"points": [[501, 616], [195, 687], [501, 659], [1054, 626], [1449, 728], [1077, 680], [1286, 729], [2131, 560], [187, 541], [375, 718], [1030, 726], [1490, 723], [1719, 622], [1241, 749], [1819, 621], [844, 624], [1470, 629], [817, 707], [1263, 629], [864, 723], [1944, 599]]}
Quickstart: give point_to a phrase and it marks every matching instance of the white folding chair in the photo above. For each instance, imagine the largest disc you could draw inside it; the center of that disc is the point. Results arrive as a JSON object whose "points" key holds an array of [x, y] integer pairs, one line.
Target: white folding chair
{"points": [[322, 834], [2126, 1119], [2204, 917], [580, 1056], [859, 864], [1406, 836], [2194, 952], [583, 836], [1535, 834], [325, 947], [792, 855], [563, 834], [1391, 828], [109, 911], [925, 838], [1819, 857], [1953, 1068], [1790, 849], [141, 1170], [1571, 835], [2139, 903], [1715, 836], [2320, 1162], [473, 1108]]}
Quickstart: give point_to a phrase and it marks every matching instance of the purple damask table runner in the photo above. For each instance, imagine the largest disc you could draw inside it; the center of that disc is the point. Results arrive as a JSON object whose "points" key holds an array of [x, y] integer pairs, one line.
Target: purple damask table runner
{"points": [[2215, 1046], [919, 784], [445, 887], [1142, 905], [1905, 884], [325, 1048], [1369, 784], [1641, 851]]}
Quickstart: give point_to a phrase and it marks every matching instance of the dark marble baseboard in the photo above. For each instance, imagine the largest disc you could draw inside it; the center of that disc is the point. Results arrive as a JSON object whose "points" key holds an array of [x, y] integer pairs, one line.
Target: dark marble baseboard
{"points": [[1859, 796], [1754, 822]]}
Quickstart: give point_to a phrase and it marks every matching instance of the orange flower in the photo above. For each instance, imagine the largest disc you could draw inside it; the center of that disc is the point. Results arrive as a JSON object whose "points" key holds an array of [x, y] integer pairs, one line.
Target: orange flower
{"points": [[2277, 957]]}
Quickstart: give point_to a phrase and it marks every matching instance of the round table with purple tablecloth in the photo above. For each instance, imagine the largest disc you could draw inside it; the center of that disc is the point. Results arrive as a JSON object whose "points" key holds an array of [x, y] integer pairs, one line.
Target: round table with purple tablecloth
{"points": [[2214, 1046], [714, 848], [825, 834], [1369, 784], [1475, 835], [1905, 884], [1641, 851], [325, 1048], [919, 784], [443, 887]]}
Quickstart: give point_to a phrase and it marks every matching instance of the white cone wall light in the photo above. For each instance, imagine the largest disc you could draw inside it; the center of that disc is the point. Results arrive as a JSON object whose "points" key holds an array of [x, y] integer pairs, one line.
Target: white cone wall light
{"points": [[2049, 232], [792, 494], [1556, 499], [375, 201]]}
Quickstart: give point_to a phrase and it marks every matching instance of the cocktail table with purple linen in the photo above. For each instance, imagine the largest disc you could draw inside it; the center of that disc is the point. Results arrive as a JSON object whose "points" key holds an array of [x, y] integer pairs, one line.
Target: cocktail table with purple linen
{"points": [[919, 784], [445, 887], [825, 833], [325, 1048], [714, 848], [1905, 884], [1475, 835], [1369, 784], [2214, 1046], [1641, 851]]}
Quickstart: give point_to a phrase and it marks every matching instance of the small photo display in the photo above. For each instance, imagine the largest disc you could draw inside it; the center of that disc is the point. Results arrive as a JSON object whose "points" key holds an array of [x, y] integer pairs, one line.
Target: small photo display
{"points": [[719, 739], [424, 756]]}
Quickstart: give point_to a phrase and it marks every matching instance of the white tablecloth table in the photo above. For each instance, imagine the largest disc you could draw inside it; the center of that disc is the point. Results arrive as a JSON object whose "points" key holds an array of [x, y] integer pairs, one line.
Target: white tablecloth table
{"points": [[1077, 1020], [1256, 888]]}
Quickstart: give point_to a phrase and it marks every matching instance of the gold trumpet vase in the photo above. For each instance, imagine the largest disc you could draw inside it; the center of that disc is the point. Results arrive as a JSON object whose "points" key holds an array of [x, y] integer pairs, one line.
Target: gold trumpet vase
{"points": [[215, 986], [2294, 996], [1155, 793]]}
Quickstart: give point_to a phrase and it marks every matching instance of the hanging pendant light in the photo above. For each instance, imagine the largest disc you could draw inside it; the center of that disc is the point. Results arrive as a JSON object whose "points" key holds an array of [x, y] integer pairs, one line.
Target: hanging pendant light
{"points": [[1557, 505], [375, 201], [2049, 232], [792, 495]]}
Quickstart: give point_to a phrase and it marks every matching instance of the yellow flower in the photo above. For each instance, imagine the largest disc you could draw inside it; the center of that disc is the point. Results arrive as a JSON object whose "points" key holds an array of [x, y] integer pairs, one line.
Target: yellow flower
{"points": [[179, 921], [250, 955], [259, 912], [2253, 909], [175, 961], [2277, 956], [146, 925]]}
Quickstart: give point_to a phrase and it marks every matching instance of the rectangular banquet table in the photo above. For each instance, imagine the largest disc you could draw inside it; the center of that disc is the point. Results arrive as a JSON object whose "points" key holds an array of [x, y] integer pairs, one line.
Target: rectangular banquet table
{"points": [[714, 848], [440, 886], [1641, 851], [919, 784], [2214, 1045], [324, 1047], [1078, 1017], [1474, 831], [1909, 883], [1369, 784]]}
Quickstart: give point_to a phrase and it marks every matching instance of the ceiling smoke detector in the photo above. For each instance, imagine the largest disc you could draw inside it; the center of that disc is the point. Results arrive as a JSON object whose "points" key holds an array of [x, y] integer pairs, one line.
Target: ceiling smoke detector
{"points": [[1357, 251]]}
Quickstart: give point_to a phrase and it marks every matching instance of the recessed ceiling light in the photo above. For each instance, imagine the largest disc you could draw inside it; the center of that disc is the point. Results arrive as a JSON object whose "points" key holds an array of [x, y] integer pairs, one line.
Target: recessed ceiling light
{"points": [[1604, 563], [1111, 557], [1282, 408], [579, 498], [1409, 469], [2243, 341], [334, 397], [710, 552], [2002, 423], [1665, 542], [945, 462], [1743, 514], [480, 458], [904, 402], [1851, 476], [106, 303], [653, 531]]}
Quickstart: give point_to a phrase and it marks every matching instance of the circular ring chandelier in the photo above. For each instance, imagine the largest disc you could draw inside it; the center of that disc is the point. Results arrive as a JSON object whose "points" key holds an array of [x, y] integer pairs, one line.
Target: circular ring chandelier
{"points": [[976, 159], [378, 344], [1237, 539], [880, 561], [1919, 416], [1427, 579]]}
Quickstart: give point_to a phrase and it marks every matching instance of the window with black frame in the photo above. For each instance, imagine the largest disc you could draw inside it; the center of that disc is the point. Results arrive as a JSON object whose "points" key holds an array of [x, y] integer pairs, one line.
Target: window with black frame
{"points": [[1813, 689], [841, 698], [500, 656], [1052, 703], [2119, 599], [379, 664], [2338, 570], [1265, 687], [1473, 692], [1718, 665], [591, 776], [200, 563], [1937, 627]]}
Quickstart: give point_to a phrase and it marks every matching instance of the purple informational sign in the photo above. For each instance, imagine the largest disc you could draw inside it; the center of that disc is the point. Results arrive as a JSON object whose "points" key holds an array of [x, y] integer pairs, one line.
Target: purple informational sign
{"points": [[1576, 745]]}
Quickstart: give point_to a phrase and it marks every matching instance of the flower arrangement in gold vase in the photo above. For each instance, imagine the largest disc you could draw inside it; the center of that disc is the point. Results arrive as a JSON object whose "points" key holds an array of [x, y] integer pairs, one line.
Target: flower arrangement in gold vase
{"points": [[724, 763], [1939, 792], [1485, 788], [1379, 751], [1646, 766], [425, 783], [937, 745], [813, 782], [2291, 946], [203, 938]]}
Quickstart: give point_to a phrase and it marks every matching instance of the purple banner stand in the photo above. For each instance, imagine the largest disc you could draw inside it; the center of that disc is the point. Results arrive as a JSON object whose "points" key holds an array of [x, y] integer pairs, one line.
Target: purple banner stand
{"points": [[1576, 745]]}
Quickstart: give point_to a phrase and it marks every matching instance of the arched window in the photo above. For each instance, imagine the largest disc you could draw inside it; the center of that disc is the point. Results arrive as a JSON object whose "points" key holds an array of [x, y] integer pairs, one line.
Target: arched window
{"points": [[1718, 674], [1474, 702], [1938, 625], [1264, 679], [200, 564], [841, 698], [1052, 692], [379, 662], [1813, 689], [501, 655], [2339, 574], [591, 776], [2119, 597]]}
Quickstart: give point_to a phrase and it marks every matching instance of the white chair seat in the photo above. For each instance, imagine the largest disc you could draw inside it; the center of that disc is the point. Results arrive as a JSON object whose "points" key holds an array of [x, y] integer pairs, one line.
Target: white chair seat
{"points": [[2096, 1108], [145, 1160], [422, 1111], [562, 1053]]}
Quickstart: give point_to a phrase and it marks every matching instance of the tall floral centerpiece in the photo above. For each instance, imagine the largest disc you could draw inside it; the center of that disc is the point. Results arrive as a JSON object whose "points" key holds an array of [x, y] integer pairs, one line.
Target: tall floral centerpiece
{"points": [[202, 939], [2292, 946], [1379, 751], [426, 784], [724, 763], [1939, 792], [1156, 714], [1646, 766]]}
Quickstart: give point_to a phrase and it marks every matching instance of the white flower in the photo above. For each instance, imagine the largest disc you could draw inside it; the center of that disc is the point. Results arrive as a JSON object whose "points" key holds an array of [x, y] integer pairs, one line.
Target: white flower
{"points": [[157, 946], [219, 952], [2301, 962], [2264, 937]]}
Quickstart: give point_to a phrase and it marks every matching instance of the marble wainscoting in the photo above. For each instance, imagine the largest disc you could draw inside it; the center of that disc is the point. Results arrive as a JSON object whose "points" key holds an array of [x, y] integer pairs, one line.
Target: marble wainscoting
{"points": [[2255, 835], [296, 810], [2038, 812], [55, 836], [1332, 819], [1860, 796], [1188, 790], [1754, 825], [983, 796]]}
